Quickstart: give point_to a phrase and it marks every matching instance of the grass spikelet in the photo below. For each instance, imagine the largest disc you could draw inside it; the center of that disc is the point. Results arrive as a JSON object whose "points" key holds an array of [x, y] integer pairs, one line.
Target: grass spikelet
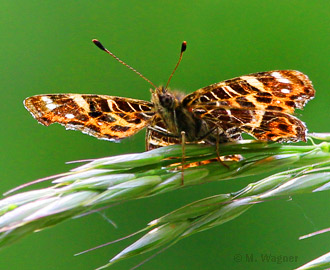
{"points": [[134, 176]]}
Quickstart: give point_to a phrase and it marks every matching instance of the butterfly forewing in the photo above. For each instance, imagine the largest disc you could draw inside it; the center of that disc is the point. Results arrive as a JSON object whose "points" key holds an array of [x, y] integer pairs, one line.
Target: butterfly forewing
{"points": [[287, 89], [259, 104], [101, 116]]}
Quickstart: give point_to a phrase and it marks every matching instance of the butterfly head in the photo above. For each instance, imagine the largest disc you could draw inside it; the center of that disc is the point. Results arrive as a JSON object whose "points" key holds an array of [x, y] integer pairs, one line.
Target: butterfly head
{"points": [[163, 99]]}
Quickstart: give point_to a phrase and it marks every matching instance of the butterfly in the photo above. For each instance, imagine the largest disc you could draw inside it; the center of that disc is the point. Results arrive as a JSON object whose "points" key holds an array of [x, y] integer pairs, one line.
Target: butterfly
{"points": [[260, 104]]}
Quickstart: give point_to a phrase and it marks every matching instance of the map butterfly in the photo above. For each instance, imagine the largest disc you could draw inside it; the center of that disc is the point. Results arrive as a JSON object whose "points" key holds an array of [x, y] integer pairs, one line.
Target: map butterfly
{"points": [[260, 104]]}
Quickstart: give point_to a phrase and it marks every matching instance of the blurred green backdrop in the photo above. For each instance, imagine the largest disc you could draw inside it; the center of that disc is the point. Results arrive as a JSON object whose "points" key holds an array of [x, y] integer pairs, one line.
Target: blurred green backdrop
{"points": [[46, 48]]}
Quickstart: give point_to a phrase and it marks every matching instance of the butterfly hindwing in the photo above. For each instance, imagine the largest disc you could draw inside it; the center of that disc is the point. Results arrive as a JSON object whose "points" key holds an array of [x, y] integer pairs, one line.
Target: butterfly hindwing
{"points": [[263, 125], [155, 137], [101, 116]]}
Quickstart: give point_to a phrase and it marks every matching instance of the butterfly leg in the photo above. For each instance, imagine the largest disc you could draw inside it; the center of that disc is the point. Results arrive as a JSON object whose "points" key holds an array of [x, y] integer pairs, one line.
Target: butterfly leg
{"points": [[164, 133], [217, 143], [183, 142], [207, 133], [218, 149]]}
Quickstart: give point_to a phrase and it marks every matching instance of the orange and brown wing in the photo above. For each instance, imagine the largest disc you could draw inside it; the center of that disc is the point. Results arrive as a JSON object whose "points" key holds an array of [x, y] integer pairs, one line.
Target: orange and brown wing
{"points": [[101, 116], [260, 104]]}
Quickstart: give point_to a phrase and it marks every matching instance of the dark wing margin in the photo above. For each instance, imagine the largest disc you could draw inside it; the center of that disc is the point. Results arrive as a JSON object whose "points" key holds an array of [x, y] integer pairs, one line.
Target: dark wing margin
{"points": [[104, 117], [259, 104]]}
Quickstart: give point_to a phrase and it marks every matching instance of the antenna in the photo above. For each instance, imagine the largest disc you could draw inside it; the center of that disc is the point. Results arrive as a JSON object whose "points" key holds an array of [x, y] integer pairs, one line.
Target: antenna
{"points": [[100, 46], [183, 48]]}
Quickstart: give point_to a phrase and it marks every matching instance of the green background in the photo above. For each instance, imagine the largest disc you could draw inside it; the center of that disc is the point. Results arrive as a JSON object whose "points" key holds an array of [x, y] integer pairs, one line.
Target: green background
{"points": [[46, 48]]}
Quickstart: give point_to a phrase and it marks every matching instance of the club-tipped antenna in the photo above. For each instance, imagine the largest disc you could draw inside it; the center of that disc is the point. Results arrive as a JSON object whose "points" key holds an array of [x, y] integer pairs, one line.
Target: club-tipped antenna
{"points": [[183, 48], [100, 46]]}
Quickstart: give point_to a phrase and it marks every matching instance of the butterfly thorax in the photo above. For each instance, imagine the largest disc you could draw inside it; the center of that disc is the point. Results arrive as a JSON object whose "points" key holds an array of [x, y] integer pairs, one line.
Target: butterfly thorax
{"points": [[177, 118]]}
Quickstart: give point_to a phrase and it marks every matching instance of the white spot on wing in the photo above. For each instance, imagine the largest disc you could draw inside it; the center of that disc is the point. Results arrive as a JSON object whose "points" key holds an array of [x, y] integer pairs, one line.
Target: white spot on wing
{"points": [[69, 115], [276, 74], [46, 99], [285, 91], [49, 103], [279, 77], [284, 80], [51, 106]]}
